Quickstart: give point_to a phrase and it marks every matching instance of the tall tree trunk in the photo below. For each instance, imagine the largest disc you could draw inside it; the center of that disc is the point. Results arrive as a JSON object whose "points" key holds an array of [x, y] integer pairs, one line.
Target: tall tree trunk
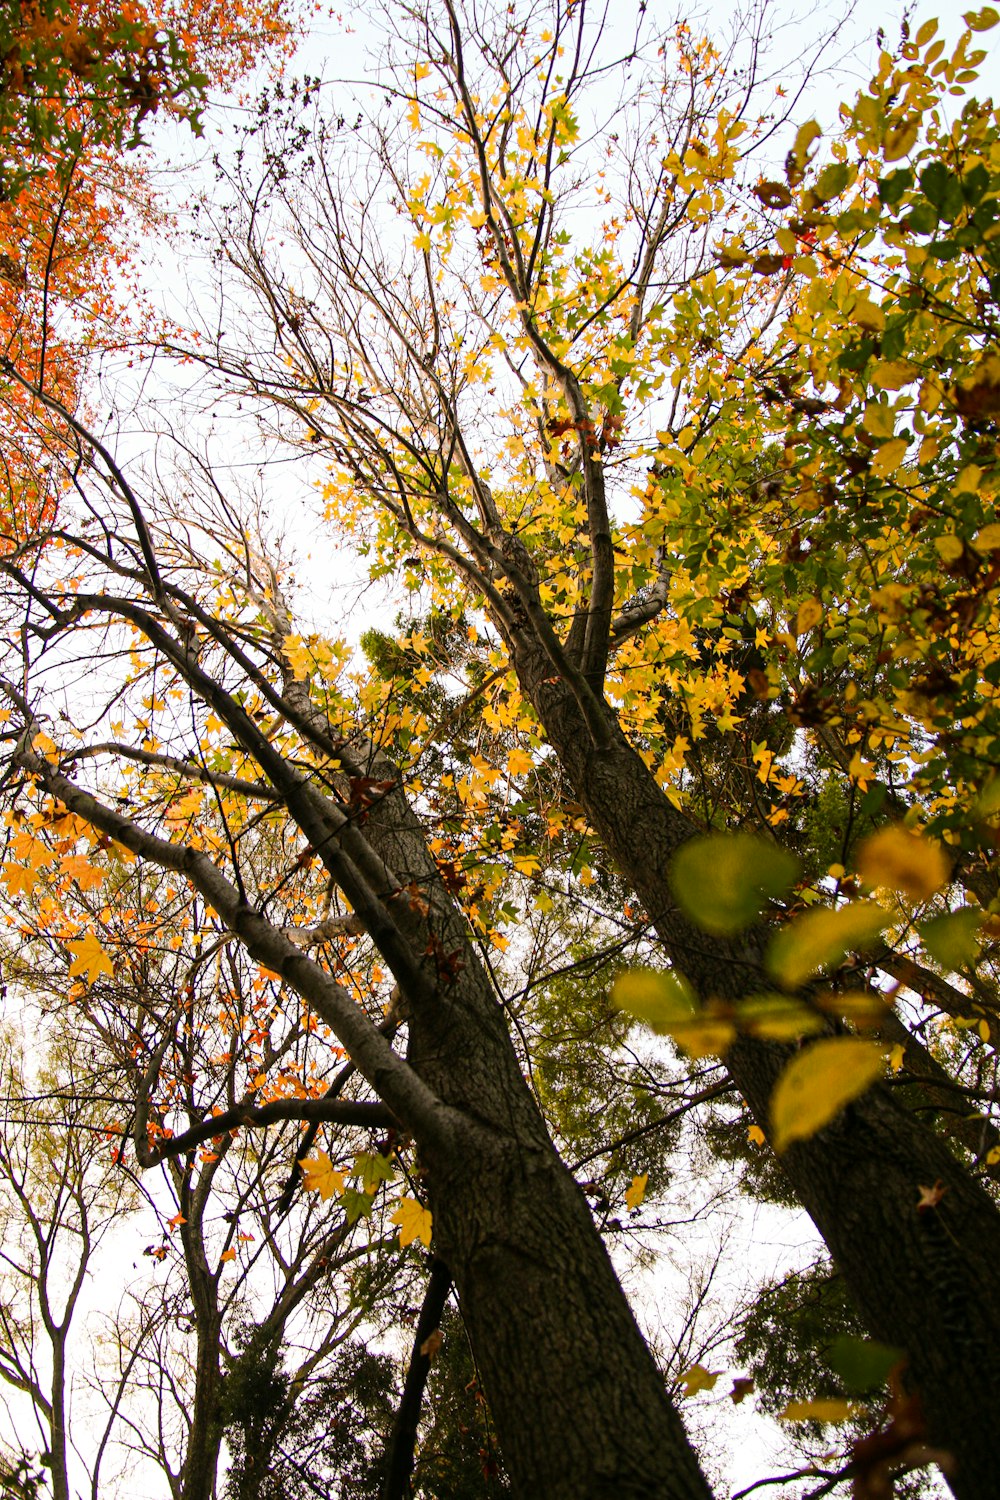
{"points": [[204, 1437], [923, 1278], [580, 1406], [57, 1426]]}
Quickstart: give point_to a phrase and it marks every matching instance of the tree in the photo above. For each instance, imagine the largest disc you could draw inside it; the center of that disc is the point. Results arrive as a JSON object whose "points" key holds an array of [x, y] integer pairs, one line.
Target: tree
{"points": [[178, 1043], [386, 354], [520, 525], [62, 1193]]}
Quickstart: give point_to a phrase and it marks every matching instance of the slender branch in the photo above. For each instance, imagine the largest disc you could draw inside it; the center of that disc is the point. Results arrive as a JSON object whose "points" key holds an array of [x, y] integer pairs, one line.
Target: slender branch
{"points": [[403, 1438], [369, 1113], [405, 1093]]}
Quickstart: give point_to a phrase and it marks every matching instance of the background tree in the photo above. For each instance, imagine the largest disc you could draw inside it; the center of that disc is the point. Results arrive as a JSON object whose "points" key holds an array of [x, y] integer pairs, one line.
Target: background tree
{"points": [[62, 1193]]}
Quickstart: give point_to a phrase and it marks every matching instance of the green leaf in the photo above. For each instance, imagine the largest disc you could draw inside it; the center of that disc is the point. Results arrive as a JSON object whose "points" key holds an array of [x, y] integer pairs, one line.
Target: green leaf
{"points": [[356, 1205], [818, 1083], [892, 187], [666, 1003], [372, 1169], [832, 181], [821, 938], [724, 881], [942, 188], [952, 939], [862, 1364]]}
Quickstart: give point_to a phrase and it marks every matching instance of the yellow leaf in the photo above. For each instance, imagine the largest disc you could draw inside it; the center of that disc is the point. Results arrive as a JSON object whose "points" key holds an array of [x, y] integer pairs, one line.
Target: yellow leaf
{"points": [[889, 457], [821, 938], [868, 314], [993, 1156], [637, 1192], [988, 539], [898, 860], [900, 139], [89, 958], [892, 375], [823, 1409], [896, 1057], [665, 1001], [20, 879], [981, 20], [697, 1378], [46, 746], [756, 1136], [818, 1083], [79, 868], [948, 547], [777, 1018], [33, 850], [984, 1031], [414, 1222], [879, 419], [810, 613], [319, 1175], [519, 762], [861, 1007]]}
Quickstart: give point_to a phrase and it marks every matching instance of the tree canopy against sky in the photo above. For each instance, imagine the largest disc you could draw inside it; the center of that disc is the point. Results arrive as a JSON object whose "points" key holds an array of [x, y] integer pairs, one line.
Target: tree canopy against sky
{"points": [[690, 468]]}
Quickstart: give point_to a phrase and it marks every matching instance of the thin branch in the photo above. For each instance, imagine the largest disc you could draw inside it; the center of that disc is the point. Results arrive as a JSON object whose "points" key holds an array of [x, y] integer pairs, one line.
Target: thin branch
{"points": [[403, 1438]]}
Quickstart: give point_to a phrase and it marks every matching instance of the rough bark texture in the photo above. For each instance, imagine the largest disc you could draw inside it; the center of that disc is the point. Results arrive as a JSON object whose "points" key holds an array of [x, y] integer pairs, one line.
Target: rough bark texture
{"points": [[923, 1278], [580, 1407]]}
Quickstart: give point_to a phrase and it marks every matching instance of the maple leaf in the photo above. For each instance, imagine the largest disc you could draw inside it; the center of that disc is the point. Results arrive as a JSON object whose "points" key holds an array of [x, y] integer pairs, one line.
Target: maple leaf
{"points": [[930, 1197], [319, 1175], [20, 880], [414, 1222], [89, 958], [697, 1378], [80, 869], [637, 1192], [33, 850]]}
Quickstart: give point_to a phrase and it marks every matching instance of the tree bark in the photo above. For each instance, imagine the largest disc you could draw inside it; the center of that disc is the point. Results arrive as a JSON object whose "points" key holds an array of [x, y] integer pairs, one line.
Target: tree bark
{"points": [[579, 1404], [923, 1278]]}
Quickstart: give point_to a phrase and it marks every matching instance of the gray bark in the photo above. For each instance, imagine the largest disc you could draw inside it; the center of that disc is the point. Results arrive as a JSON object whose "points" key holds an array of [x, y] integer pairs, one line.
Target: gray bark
{"points": [[922, 1278]]}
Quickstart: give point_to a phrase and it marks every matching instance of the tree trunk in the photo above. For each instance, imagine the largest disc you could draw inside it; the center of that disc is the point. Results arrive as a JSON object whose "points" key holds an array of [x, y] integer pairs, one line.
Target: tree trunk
{"points": [[923, 1278], [204, 1436], [58, 1466], [580, 1407]]}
